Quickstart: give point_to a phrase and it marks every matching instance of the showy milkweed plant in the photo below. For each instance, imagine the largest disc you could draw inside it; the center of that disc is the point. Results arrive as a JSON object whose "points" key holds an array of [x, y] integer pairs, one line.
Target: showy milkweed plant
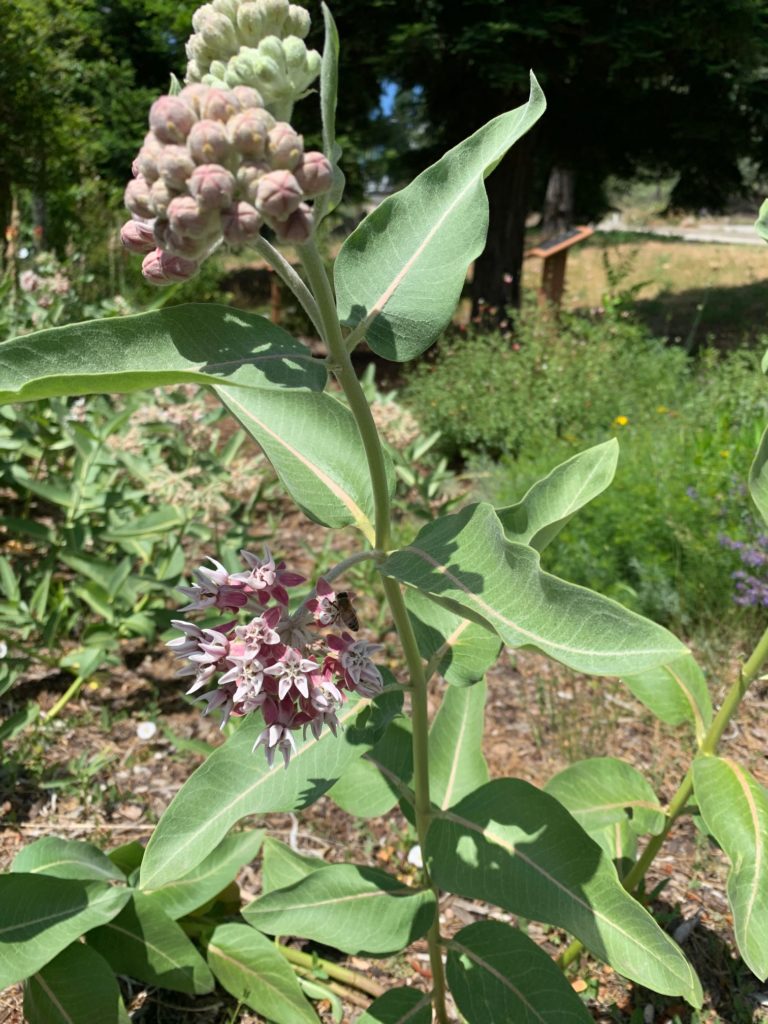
{"points": [[224, 164]]}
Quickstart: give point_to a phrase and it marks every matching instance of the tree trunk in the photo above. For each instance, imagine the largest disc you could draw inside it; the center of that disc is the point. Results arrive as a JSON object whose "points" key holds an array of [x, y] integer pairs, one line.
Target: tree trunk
{"points": [[558, 202], [498, 271]]}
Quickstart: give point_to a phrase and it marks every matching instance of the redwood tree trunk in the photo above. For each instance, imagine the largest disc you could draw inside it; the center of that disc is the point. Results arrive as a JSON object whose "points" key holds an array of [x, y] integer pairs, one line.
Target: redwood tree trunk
{"points": [[498, 271]]}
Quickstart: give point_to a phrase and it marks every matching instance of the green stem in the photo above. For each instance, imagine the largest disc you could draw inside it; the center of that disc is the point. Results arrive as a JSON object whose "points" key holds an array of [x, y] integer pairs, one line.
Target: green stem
{"points": [[677, 804], [290, 279], [342, 974], [340, 363]]}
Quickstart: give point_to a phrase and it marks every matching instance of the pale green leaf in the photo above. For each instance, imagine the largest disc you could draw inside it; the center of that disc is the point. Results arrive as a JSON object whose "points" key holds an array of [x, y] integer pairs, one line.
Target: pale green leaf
{"points": [[758, 473], [76, 987], [313, 442], [462, 651], [281, 866], [515, 846], [249, 966], [399, 1006], [400, 273], [373, 785], [675, 692], [496, 973], [549, 504], [466, 562], [735, 810], [354, 909], [602, 791], [456, 762], [329, 87], [195, 344], [41, 915], [761, 224], [145, 943], [234, 782], [66, 858], [208, 878]]}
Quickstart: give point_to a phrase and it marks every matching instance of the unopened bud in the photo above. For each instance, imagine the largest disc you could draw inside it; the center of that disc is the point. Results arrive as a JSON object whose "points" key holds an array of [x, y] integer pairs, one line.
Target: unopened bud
{"points": [[208, 142], [212, 185], [197, 50], [137, 198], [250, 23], [217, 31], [274, 12], [145, 163], [248, 132], [187, 218], [228, 7], [161, 268], [160, 196], [297, 22], [285, 147], [194, 72], [240, 223], [315, 175], [248, 175], [249, 97], [219, 105], [175, 165], [297, 228], [170, 118], [278, 194], [138, 236], [193, 95]]}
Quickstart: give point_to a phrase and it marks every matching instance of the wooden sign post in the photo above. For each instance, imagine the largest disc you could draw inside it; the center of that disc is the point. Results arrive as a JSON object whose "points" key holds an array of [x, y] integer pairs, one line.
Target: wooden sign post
{"points": [[554, 252]]}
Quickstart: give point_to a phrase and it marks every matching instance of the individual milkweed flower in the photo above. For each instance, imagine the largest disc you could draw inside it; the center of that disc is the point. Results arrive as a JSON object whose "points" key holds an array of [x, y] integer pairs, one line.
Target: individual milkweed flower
{"points": [[357, 669], [278, 194], [292, 672], [278, 735], [215, 588], [323, 606], [266, 578], [171, 119], [314, 174], [161, 267]]}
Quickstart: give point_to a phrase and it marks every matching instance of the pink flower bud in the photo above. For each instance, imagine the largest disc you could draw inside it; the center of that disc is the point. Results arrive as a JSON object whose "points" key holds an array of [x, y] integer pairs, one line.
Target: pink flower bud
{"points": [[137, 198], [160, 268], [248, 132], [212, 185], [187, 218], [278, 194], [285, 147], [241, 222], [178, 244], [219, 105], [175, 165], [138, 236], [160, 196], [297, 228], [315, 175], [248, 97], [193, 96], [248, 175], [170, 118], [145, 163], [208, 142]]}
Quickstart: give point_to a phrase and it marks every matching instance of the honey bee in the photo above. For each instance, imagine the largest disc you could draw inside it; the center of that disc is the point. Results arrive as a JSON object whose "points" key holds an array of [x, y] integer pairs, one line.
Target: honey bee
{"points": [[345, 612]]}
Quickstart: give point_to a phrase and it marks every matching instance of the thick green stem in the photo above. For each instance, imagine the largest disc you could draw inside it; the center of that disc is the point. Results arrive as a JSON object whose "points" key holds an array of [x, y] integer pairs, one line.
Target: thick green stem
{"points": [[290, 279], [341, 364], [342, 974], [677, 804]]}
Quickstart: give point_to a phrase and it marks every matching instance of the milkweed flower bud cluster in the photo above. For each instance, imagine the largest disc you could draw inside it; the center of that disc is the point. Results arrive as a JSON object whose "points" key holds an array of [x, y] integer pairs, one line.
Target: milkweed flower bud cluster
{"points": [[262, 658], [216, 167], [257, 43]]}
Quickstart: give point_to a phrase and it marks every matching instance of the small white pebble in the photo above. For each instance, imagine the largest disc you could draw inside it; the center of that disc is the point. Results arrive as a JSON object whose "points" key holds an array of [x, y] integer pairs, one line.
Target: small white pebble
{"points": [[146, 730], [415, 858], [3, 648], [649, 1014]]}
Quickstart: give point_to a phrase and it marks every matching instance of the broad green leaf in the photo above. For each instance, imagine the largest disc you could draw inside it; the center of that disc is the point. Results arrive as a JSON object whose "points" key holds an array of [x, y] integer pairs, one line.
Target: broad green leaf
{"points": [[76, 987], [313, 442], [758, 473], [205, 881], [619, 842], [354, 909], [400, 273], [549, 504], [761, 224], [160, 521], [456, 762], [466, 562], [40, 916], [462, 651], [675, 692], [197, 344], [66, 858], [399, 1006], [603, 791], [329, 87], [249, 966], [735, 810], [515, 846], [495, 973], [373, 785], [235, 781], [17, 723], [281, 866], [145, 943], [127, 857]]}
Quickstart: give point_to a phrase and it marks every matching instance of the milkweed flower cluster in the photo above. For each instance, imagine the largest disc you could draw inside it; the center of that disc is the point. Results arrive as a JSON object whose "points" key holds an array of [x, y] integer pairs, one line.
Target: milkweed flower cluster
{"points": [[221, 160], [263, 658]]}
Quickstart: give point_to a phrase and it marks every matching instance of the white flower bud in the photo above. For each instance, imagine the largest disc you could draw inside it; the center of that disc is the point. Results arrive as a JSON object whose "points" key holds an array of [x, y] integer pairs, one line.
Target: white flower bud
{"points": [[160, 196], [137, 198], [219, 35], [175, 164], [297, 23], [228, 7], [250, 23]]}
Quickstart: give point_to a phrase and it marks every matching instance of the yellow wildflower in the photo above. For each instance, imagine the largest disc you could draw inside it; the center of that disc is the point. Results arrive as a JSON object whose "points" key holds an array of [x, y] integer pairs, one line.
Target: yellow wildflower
{"points": [[620, 421]]}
